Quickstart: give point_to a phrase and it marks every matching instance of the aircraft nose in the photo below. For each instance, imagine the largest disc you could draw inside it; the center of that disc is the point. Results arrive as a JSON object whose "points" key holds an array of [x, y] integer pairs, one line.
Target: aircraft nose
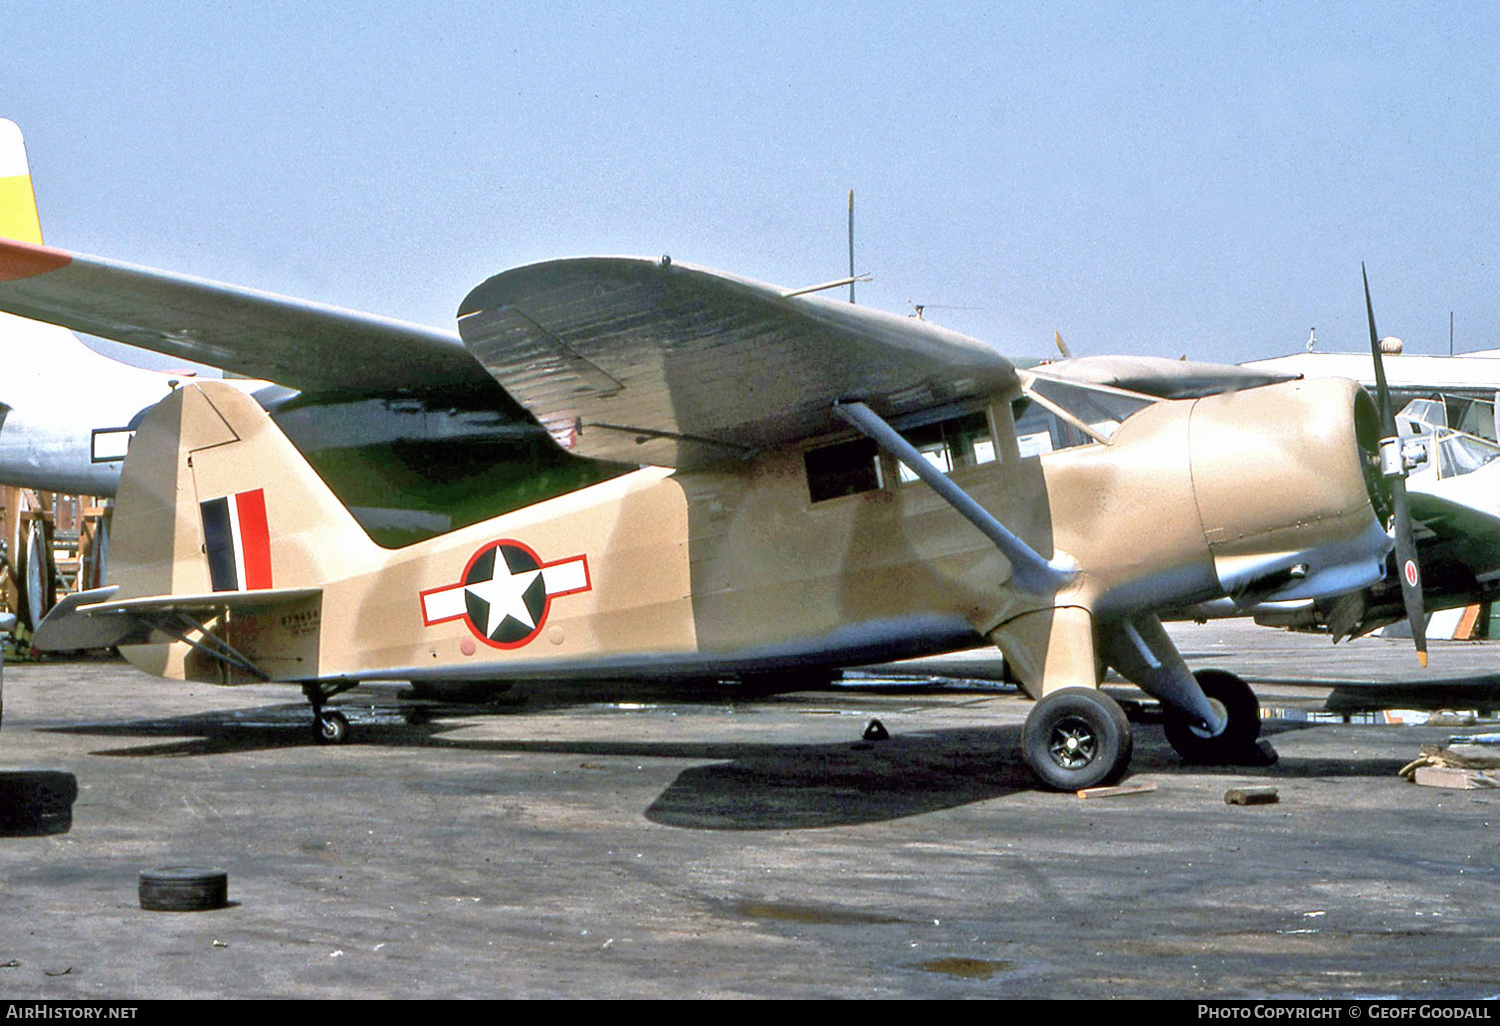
{"points": [[1282, 484]]}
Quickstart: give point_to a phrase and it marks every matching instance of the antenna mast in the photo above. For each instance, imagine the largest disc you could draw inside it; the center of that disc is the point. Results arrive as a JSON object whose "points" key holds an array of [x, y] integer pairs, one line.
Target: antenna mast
{"points": [[851, 245]]}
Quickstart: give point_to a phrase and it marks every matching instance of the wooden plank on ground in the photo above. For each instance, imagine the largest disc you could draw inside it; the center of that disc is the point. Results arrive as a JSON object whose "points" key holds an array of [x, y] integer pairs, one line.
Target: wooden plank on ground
{"points": [[1141, 787]]}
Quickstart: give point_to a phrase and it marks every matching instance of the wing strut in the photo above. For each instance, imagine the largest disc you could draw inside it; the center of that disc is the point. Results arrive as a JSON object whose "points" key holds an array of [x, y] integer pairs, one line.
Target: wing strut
{"points": [[1031, 571]]}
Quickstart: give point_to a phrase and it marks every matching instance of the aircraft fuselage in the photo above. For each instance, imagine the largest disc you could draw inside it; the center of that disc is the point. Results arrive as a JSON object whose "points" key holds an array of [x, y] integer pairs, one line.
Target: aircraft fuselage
{"points": [[737, 569]]}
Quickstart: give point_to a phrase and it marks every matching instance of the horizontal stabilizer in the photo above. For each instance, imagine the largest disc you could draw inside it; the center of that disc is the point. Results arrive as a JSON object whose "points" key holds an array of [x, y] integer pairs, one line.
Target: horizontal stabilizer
{"points": [[94, 619]]}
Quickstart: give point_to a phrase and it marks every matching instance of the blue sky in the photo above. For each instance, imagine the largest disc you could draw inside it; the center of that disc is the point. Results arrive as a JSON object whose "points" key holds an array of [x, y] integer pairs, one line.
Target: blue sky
{"points": [[1165, 179]]}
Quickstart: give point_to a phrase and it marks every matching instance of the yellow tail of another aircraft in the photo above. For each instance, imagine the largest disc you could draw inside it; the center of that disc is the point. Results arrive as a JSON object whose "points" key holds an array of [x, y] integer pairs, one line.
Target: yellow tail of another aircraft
{"points": [[18, 216]]}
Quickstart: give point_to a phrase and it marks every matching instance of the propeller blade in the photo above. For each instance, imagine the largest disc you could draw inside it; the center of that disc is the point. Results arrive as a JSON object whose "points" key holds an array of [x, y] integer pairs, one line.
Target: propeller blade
{"points": [[1394, 467]]}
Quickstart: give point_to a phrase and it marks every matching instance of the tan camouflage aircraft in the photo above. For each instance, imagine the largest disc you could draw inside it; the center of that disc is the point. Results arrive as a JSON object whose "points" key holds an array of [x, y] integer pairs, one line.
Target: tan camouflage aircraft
{"points": [[780, 483]]}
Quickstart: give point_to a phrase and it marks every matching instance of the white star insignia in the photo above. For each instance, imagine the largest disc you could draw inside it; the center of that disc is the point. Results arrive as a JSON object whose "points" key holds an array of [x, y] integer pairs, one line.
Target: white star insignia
{"points": [[505, 594]]}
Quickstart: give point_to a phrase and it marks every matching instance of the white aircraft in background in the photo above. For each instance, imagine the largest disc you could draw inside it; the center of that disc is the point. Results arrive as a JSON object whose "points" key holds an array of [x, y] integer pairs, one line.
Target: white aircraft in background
{"points": [[1448, 430]]}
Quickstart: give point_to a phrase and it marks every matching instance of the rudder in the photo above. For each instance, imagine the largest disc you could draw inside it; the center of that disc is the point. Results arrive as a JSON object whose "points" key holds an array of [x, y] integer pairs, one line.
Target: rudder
{"points": [[213, 497]]}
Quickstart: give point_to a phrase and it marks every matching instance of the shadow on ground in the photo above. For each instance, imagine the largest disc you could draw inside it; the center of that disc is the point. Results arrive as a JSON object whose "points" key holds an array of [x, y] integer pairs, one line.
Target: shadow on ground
{"points": [[743, 785]]}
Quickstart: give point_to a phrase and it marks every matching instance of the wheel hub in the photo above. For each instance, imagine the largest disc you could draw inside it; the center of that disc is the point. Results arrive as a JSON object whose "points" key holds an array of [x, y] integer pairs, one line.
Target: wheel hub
{"points": [[1073, 744], [1221, 711]]}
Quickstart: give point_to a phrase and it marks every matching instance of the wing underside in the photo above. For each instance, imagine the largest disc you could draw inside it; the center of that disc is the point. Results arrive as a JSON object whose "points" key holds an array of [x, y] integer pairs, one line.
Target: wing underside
{"points": [[1454, 531], [646, 361]]}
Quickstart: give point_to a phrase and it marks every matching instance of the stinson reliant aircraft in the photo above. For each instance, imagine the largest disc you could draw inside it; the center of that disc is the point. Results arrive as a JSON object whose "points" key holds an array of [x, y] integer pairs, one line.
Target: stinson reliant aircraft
{"points": [[782, 481]]}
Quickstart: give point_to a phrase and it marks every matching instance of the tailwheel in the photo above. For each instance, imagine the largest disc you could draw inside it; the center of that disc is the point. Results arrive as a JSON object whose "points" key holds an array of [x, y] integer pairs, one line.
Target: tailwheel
{"points": [[1236, 743], [1077, 738], [331, 727]]}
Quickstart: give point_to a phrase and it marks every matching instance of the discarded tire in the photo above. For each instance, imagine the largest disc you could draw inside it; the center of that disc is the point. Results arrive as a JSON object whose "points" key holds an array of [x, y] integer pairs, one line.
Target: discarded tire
{"points": [[36, 802], [184, 889]]}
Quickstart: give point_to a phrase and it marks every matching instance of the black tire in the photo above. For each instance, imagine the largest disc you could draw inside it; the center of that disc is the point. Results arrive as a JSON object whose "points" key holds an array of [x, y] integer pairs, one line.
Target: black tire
{"points": [[331, 728], [1236, 742], [183, 889], [1077, 738], [34, 803]]}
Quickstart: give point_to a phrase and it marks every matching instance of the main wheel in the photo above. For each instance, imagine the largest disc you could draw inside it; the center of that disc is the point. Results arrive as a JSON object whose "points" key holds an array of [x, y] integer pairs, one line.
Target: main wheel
{"points": [[1077, 738], [1231, 696], [331, 728]]}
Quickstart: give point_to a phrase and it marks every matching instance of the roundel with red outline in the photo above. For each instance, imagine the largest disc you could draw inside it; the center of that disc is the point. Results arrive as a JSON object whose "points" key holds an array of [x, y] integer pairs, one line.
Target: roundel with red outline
{"points": [[1410, 569], [505, 593]]}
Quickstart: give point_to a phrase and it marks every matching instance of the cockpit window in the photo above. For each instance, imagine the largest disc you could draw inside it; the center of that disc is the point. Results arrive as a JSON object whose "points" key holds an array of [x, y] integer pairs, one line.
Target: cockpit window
{"points": [[1051, 414], [1080, 413], [1438, 450], [849, 468]]}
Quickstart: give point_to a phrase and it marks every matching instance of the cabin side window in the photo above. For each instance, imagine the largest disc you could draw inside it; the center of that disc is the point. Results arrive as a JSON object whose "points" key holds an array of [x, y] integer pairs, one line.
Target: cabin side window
{"points": [[844, 469], [849, 468], [958, 442]]}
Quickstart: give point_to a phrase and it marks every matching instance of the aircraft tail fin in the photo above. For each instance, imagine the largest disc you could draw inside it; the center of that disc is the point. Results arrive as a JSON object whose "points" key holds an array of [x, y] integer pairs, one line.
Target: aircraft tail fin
{"points": [[213, 498], [18, 216]]}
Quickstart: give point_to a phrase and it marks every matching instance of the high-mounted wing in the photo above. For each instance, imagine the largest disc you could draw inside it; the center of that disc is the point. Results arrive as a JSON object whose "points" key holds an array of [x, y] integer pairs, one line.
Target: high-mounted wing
{"points": [[650, 361], [292, 342]]}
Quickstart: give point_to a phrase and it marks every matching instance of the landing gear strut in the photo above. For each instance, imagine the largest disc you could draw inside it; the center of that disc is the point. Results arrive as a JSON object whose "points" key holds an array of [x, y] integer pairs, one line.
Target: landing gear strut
{"points": [[1077, 738], [1236, 743]]}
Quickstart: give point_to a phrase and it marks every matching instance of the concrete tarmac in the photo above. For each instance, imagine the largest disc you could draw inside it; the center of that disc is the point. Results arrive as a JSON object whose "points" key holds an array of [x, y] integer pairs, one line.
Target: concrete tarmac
{"points": [[619, 842]]}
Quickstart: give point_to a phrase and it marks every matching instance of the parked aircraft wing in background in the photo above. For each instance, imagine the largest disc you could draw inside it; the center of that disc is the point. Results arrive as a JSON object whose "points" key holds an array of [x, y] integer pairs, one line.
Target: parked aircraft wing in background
{"points": [[302, 345], [1160, 377]]}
